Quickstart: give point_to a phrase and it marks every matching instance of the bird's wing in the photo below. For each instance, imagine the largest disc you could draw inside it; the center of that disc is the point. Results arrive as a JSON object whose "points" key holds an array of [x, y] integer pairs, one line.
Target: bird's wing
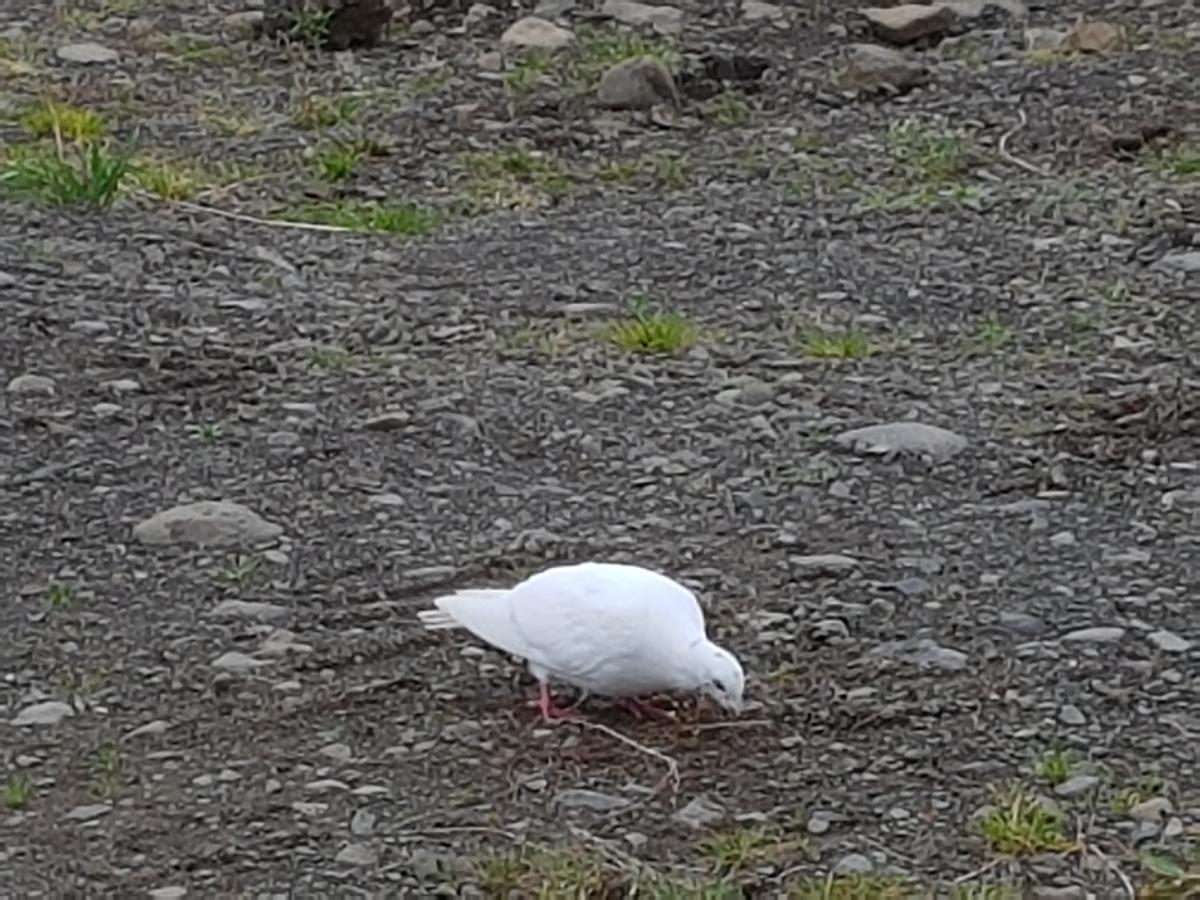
{"points": [[580, 622], [487, 613]]}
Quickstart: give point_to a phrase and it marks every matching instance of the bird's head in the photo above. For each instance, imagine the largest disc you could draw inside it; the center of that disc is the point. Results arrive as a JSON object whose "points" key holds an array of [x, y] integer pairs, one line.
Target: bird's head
{"points": [[720, 676]]}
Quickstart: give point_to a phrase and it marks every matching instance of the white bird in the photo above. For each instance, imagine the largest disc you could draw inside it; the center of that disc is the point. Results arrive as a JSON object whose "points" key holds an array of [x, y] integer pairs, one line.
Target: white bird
{"points": [[608, 628]]}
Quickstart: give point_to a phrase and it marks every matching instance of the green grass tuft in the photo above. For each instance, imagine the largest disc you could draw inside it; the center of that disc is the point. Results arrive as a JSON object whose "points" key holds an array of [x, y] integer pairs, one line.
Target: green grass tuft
{"points": [[1020, 825], [407, 219], [72, 123], [92, 179], [651, 331], [849, 344]]}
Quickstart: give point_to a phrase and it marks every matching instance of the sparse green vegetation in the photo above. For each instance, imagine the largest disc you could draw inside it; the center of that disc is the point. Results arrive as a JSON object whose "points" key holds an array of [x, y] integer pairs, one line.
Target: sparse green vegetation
{"points": [[61, 596], [73, 123], [315, 111], [190, 50], [106, 773], [730, 108], [1179, 161], [1147, 785], [929, 154], [733, 850], [240, 569], [671, 172], [515, 178], [92, 178], [521, 79], [310, 26], [984, 891], [407, 219], [596, 49], [853, 887], [651, 331], [544, 874], [331, 359], [338, 162], [991, 335], [1054, 766], [18, 792], [845, 344], [1173, 876], [1019, 824]]}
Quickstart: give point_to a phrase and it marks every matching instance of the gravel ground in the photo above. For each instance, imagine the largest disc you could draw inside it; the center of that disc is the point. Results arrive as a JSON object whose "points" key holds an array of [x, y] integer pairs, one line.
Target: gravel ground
{"points": [[973, 653]]}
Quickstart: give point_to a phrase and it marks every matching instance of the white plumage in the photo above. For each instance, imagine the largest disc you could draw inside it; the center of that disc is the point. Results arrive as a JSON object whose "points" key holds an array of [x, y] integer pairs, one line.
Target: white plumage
{"points": [[607, 628]]}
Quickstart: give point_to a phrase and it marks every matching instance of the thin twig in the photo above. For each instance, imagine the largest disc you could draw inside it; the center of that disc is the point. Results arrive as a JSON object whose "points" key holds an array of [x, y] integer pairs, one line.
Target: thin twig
{"points": [[1112, 867], [741, 723], [253, 220], [982, 870], [1002, 148], [672, 775]]}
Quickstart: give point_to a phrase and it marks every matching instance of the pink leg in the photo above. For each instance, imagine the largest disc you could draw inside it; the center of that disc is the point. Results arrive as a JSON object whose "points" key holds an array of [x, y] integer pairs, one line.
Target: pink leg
{"points": [[549, 710]]}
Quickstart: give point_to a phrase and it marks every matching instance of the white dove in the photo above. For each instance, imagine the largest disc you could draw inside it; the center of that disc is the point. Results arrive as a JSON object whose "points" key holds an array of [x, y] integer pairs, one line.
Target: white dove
{"points": [[607, 628]]}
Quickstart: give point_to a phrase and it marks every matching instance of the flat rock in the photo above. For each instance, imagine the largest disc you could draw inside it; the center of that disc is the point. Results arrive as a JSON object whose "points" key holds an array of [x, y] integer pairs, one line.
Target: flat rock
{"points": [[908, 22], [357, 854], [1187, 261], [1153, 810], [1096, 37], [248, 609], [48, 712], [904, 437], [666, 20], [593, 801], [638, 83], [700, 812], [207, 523], [86, 53], [870, 66], [1038, 38], [924, 653], [1077, 785], [30, 383], [1169, 641], [535, 34], [236, 661], [88, 812], [1100, 634], [246, 24], [758, 11], [825, 562], [853, 864]]}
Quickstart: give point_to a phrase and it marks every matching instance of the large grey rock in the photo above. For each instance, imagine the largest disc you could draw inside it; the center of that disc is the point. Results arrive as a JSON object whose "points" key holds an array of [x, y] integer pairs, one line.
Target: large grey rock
{"points": [[904, 437], [87, 53], [924, 653], [30, 383], [532, 33], [666, 20], [700, 812], [1186, 261], [49, 712], [871, 67], [207, 523], [638, 83], [908, 22], [1100, 634]]}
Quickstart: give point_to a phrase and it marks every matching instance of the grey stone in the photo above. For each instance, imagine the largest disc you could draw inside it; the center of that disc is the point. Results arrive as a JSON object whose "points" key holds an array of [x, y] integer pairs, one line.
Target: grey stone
{"points": [[552, 9], [870, 67], [1077, 785], [88, 812], [86, 53], [211, 523], [700, 812], [150, 729], [758, 11], [1153, 810], [1044, 38], [247, 24], [535, 34], [594, 801], [904, 437], [238, 662], [1169, 641], [666, 20], [853, 864], [30, 383], [825, 563], [388, 421], [49, 712], [638, 83], [819, 822], [1070, 714], [1047, 892], [357, 854], [1186, 261], [363, 823], [170, 892], [1097, 635], [923, 652], [908, 22], [247, 609]]}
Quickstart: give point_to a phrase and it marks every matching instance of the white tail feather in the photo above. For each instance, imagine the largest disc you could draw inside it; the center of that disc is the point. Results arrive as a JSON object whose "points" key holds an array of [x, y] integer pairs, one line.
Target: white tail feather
{"points": [[482, 612]]}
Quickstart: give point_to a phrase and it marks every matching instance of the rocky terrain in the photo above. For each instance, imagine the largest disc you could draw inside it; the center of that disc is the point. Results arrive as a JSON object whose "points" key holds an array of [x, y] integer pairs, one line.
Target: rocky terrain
{"points": [[876, 327]]}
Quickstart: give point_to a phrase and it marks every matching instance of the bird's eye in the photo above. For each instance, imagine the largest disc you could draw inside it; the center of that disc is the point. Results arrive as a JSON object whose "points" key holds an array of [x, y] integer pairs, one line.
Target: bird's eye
{"points": [[717, 684]]}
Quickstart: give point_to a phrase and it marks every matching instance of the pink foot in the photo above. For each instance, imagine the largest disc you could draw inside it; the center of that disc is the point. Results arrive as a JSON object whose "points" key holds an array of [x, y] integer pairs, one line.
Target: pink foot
{"points": [[550, 711]]}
